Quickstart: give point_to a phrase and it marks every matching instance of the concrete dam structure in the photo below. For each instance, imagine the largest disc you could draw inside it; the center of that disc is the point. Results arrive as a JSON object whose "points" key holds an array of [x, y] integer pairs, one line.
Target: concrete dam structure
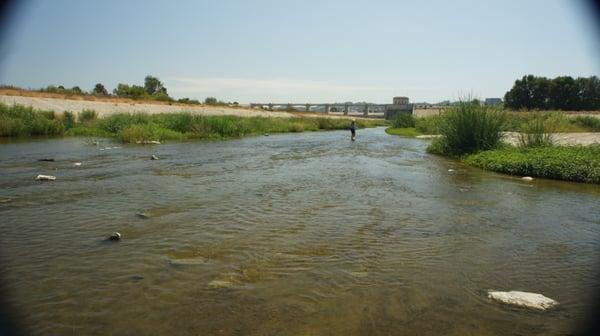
{"points": [[388, 111]]}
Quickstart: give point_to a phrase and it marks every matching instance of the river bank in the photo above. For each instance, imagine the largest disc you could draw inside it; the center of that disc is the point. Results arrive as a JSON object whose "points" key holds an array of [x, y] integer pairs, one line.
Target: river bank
{"points": [[24, 121]]}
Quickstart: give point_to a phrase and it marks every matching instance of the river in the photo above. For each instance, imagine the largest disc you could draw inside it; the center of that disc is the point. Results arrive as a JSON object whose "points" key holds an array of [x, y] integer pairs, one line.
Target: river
{"points": [[290, 234]]}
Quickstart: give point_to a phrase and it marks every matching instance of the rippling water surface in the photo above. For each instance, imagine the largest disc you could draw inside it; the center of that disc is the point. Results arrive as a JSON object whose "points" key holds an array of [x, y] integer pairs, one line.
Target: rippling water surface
{"points": [[295, 234]]}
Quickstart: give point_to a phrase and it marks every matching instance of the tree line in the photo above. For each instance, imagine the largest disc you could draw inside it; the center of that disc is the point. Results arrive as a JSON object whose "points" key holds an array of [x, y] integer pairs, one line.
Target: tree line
{"points": [[153, 89], [560, 93]]}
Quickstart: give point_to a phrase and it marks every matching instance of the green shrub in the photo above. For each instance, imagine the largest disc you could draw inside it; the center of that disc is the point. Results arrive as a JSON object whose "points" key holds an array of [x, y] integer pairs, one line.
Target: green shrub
{"points": [[403, 120], [19, 120], [68, 119], [87, 115], [535, 133], [468, 128], [428, 125], [588, 122]]}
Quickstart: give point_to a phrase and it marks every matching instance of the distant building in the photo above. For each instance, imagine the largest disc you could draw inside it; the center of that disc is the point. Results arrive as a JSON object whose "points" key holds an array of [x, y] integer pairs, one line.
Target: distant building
{"points": [[493, 101], [400, 105]]}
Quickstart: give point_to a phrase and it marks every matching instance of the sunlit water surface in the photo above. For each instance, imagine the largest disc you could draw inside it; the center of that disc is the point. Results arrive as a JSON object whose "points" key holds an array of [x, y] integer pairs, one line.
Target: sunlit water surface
{"points": [[295, 234]]}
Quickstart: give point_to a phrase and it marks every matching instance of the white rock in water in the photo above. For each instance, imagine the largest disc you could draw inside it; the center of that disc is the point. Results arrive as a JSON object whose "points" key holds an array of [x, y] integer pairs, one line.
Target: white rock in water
{"points": [[451, 170], [115, 236], [527, 178], [154, 157], [77, 164], [523, 299], [45, 178]]}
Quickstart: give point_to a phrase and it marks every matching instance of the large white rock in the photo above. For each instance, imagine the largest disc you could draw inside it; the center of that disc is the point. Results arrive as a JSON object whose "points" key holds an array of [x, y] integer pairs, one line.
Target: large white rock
{"points": [[45, 177], [527, 178], [523, 299]]}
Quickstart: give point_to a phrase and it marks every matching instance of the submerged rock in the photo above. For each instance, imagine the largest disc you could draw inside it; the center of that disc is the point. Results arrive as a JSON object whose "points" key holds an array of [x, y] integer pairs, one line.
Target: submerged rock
{"points": [[143, 215], [527, 178], [451, 170], [523, 299], [115, 236], [154, 157], [148, 142], [220, 284], [46, 160], [45, 178], [76, 164]]}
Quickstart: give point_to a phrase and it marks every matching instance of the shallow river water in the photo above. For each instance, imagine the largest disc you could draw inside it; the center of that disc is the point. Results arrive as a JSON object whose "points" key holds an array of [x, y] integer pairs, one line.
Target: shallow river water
{"points": [[293, 234]]}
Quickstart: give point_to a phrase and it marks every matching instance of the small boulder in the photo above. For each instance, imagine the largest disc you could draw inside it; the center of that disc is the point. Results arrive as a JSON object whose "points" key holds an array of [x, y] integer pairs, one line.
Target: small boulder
{"points": [[523, 299], [45, 178], [46, 160], [266, 134], [527, 178], [451, 170], [154, 157], [115, 236], [77, 164]]}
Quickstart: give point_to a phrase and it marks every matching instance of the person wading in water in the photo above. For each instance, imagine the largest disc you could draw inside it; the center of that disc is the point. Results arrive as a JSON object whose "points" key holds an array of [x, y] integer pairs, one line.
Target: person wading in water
{"points": [[353, 130]]}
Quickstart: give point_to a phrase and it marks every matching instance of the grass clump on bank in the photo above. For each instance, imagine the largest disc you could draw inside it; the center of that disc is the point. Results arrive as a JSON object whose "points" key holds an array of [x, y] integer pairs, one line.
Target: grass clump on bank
{"points": [[23, 121], [569, 163], [468, 128], [20, 121]]}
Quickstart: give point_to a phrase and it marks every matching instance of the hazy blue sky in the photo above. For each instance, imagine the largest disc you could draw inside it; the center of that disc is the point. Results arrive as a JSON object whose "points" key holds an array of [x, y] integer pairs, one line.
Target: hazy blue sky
{"points": [[300, 51]]}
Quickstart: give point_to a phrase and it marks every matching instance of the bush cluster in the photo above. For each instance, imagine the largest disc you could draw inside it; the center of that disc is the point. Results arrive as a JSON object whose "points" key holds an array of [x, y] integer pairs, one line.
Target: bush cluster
{"points": [[468, 128]]}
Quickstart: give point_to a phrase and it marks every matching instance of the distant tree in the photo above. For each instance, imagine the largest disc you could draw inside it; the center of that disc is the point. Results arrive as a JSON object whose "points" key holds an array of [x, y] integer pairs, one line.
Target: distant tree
{"points": [[561, 93], [133, 91], [100, 90], [210, 101], [153, 85], [76, 90]]}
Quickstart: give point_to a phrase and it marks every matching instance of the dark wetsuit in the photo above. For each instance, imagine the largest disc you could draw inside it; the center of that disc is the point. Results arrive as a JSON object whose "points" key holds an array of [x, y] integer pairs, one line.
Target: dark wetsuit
{"points": [[353, 129]]}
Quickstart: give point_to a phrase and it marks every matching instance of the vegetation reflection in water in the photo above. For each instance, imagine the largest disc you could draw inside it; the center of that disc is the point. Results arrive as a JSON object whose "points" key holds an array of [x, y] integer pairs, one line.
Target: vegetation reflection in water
{"points": [[294, 234]]}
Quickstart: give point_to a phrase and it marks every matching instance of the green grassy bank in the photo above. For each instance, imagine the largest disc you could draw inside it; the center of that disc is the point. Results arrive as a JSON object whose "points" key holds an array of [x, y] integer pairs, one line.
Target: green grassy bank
{"points": [[22, 121], [569, 163], [403, 131], [473, 133]]}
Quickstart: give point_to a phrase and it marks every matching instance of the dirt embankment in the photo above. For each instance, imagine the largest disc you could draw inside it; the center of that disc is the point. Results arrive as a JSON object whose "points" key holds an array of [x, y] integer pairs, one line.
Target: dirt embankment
{"points": [[105, 106]]}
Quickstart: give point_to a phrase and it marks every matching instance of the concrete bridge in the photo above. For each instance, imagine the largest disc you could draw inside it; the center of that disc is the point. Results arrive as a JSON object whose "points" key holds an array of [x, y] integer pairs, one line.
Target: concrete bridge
{"points": [[388, 110]]}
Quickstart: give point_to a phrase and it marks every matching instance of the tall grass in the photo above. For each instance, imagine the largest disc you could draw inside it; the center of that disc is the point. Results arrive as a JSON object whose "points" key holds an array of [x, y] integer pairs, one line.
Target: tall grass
{"points": [[403, 120], [468, 128], [588, 122], [428, 125], [536, 133], [20, 121], [24, 121]]}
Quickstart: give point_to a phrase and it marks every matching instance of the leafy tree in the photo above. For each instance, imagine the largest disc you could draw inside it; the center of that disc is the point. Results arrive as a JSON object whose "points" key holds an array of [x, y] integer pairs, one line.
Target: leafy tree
{"points": [[562, 93], [153, 85], [99, 89], [133, 91], [76, 90], [210, 101]]}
